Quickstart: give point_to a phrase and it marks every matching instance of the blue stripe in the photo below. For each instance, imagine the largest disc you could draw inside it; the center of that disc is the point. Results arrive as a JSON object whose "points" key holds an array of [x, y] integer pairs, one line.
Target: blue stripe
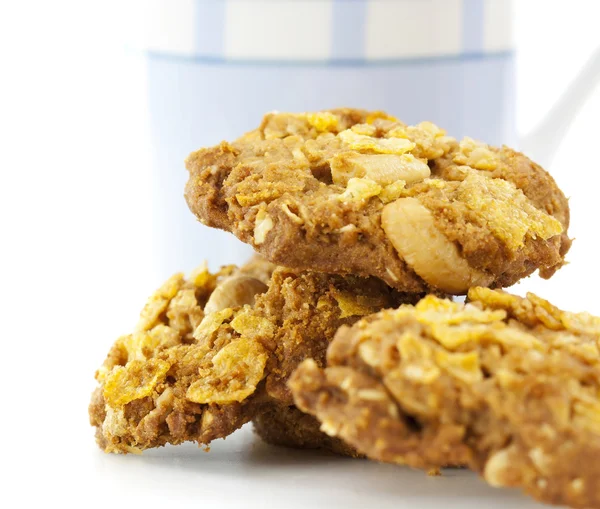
{"points": [[472, 29], [392, 62], [348, 30], [209, 23]]}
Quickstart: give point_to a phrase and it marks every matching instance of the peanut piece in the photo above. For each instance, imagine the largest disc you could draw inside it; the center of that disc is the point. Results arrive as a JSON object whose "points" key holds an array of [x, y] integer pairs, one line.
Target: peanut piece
{"points": [[234, 291], [411, 229]]}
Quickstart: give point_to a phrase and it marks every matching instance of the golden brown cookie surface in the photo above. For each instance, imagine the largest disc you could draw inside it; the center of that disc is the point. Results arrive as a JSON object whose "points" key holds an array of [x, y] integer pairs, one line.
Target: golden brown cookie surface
{"points": [[351, 191], [509, 386], [213, 351]]}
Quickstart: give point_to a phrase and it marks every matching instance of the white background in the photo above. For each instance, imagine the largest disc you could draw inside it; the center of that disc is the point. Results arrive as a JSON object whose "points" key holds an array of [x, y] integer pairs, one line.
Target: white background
{"points": [[75, 269]]}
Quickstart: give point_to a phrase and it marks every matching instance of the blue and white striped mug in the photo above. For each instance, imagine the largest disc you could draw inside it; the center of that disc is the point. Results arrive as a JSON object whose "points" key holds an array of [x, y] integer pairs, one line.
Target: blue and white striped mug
{"points": [[216, 66]]}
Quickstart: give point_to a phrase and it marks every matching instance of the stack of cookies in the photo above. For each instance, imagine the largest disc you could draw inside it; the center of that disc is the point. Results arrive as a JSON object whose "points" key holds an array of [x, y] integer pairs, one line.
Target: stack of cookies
{"points": [[343, 334]]}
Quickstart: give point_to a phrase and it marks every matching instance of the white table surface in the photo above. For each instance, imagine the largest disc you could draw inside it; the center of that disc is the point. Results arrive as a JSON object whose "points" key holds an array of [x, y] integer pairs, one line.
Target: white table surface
{"points": [[242, 471]]}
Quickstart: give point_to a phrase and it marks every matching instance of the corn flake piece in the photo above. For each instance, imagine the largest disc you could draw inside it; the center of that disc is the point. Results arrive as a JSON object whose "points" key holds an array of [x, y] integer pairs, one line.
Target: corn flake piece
{"points": [[393, 191], [183, 311], [158, 303], [581, 323], [101, 373], [431, 141], [476, 155], [136, 380], [166, 336], [464, 366], [360, 189], [211, 322], [140, 345], [351, 304], [493, 298], [323, 302], [323, 121], [452, 337], [246, 324], [589, 352], [431, 302], [365, 129], [507, 212], [514, 337], [281, 125], [376, 115], [201, 276], [236, 371], [368, 144], [385, 169], [432, 310]]}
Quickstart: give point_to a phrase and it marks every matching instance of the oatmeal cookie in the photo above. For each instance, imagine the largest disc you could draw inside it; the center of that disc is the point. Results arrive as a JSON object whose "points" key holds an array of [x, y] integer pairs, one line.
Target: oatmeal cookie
{"points": [[509, 386], [354, 192], [213, 351]]}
